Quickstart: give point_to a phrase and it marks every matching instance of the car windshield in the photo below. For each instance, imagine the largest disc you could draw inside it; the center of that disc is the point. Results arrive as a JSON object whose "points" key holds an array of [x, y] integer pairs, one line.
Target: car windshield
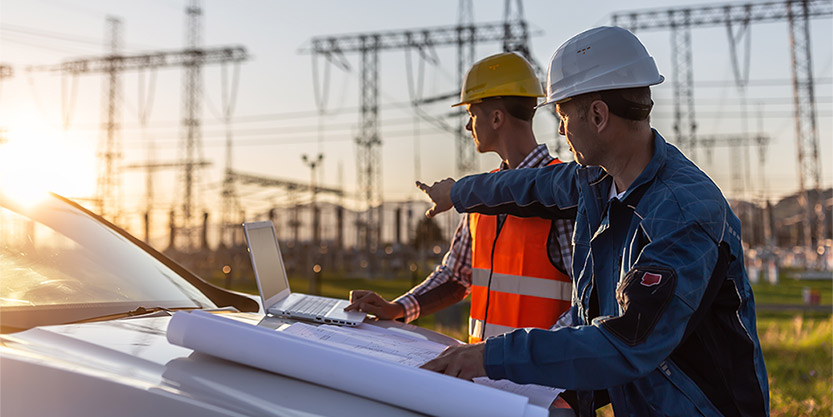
{"points": [[58, 260]]}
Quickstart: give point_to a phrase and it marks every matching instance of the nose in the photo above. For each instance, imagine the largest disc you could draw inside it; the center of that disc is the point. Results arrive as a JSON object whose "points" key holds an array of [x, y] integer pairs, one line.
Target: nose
{"points": [[468, 125], [561, 127]]}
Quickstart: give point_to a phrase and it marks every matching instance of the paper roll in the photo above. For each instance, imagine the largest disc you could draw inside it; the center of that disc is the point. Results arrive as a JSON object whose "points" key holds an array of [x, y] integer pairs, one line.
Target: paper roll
{"points": [[403, 386]]}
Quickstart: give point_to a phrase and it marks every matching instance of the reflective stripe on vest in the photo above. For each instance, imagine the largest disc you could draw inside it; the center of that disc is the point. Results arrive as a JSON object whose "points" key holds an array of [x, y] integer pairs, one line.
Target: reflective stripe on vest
{"points": [[476, 328], [517, 284], [526, 289]]}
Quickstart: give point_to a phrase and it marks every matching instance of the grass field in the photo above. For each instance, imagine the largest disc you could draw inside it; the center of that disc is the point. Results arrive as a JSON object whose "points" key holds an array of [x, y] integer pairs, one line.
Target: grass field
{"points": [[789, 291], [798, 348], [797, 345], [797, 351]]}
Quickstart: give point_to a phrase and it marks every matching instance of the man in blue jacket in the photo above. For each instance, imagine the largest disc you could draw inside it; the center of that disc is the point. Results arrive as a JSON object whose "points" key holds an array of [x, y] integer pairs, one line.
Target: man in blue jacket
{"points": [[663, 314]]}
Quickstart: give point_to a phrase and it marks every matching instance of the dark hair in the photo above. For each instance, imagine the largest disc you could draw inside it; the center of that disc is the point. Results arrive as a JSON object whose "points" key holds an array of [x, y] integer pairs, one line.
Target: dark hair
{"points": [[632, 104], [518, 107]]}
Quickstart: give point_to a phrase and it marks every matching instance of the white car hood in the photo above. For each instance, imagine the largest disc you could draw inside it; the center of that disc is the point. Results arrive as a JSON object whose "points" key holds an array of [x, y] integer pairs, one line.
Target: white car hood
{"points": [[127, 367]]}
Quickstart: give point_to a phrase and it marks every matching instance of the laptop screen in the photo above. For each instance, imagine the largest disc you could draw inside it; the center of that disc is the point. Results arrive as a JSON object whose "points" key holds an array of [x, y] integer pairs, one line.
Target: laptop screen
{"points": [[267, 261]]}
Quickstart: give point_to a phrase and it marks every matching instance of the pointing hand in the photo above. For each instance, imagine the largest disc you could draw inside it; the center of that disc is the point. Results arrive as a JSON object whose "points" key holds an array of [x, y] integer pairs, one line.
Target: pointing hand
{"points": [[440, 194]]}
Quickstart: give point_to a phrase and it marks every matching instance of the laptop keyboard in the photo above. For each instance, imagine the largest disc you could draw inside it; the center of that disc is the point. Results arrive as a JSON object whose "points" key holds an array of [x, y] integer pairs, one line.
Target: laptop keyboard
{"points": [[314, 306]]}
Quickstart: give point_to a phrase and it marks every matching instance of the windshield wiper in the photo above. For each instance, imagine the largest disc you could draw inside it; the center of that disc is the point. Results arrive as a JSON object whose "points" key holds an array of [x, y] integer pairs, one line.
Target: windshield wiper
{"points": [[142, 310], [138, 311]]}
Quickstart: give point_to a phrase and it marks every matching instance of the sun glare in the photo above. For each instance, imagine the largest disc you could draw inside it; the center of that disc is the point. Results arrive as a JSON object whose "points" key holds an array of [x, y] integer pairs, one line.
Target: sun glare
{"points": [[35, 161]]}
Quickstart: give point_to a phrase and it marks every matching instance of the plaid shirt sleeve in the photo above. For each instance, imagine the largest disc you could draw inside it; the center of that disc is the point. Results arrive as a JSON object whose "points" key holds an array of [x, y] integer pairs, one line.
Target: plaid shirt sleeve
{"points": [[560, 240], [456, 266], [560, 246]]}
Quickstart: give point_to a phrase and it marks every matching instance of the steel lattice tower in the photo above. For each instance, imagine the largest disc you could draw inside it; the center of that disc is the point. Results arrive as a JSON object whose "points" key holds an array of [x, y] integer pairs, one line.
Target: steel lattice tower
{"points": [[512, 33], [806, 129], [192, 59], [191, 110], [797, 13], [368, 143], [108, 182], [466, 153], [684, 122]]}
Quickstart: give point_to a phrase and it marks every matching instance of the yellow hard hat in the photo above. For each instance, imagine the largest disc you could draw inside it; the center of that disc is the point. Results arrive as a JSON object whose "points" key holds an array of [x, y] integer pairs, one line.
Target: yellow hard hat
{"points": [[504, 74]]}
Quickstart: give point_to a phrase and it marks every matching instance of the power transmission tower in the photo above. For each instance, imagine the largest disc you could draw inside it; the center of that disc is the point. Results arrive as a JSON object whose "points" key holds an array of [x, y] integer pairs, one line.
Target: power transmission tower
{"points": [[192, 111], [739, 170], [231, 204], [513, 33], [797, 13], [466, 154], [192, 59], [264, 181], [742, 141], [290, 185], [806, 129], [108, 180], [150, 168]]}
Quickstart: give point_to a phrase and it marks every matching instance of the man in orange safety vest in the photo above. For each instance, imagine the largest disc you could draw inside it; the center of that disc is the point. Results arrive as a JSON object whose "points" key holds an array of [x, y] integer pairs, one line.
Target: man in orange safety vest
{"points": [[516, 269]]}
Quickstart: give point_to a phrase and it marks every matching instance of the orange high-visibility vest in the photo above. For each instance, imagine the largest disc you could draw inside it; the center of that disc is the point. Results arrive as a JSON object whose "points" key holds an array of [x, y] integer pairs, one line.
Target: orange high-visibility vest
{"points": [[526, 289]]}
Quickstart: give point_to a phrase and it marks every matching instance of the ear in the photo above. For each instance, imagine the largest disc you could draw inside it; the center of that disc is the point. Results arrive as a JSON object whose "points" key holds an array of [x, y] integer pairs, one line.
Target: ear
{"points": [[599, 115], [498, 118]]}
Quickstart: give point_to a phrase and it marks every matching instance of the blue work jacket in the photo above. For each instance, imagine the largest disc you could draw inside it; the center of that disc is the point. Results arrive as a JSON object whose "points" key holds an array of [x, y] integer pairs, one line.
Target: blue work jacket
{"points": [[663, 314]]}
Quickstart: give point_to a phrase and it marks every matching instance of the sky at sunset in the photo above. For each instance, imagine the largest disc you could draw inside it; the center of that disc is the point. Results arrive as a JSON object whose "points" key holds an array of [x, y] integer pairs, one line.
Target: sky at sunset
{"points": [[53, 122]]}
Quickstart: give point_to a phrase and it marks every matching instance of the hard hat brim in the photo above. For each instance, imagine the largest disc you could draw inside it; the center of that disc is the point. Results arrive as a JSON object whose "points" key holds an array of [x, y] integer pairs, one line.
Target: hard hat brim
{"points": [[560, 97]]}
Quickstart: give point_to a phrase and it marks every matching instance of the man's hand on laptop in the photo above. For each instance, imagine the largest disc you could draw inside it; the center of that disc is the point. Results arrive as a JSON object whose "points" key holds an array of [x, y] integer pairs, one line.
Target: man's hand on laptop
{"points": [[371, 303], [440, 194]]}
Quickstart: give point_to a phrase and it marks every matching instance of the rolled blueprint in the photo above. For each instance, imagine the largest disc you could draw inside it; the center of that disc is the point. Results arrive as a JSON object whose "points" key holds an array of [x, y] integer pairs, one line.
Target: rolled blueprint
{"points": [[396, 384]]}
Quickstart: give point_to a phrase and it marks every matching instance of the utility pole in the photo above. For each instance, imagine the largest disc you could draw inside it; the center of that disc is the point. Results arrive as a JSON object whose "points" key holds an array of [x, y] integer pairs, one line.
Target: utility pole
{"points": [[797, 13]]}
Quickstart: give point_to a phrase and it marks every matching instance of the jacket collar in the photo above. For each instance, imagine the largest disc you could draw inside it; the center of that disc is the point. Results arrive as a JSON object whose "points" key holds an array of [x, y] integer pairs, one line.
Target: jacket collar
{"points": [[653, 167]]}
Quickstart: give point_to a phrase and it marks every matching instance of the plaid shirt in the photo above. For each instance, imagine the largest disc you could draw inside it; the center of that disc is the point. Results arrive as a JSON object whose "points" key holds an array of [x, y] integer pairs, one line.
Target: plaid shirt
{"points": [[456, 265]]}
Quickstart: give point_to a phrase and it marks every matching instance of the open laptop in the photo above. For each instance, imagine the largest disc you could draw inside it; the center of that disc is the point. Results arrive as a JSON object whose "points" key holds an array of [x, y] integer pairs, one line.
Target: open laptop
{"points": [[273, 284]]}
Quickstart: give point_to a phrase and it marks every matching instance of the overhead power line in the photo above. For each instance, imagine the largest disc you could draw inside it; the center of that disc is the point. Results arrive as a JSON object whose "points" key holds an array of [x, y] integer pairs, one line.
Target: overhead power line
{"points": [[718, 15], [18, 30]]}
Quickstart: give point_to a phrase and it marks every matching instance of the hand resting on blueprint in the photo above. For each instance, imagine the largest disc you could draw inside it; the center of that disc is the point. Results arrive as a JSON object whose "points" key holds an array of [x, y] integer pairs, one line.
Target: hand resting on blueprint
{"points": [[461, 361], [371, 303]]}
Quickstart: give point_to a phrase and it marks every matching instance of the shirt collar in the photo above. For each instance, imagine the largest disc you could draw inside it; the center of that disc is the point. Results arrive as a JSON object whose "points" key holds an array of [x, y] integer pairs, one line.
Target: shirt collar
{"points": [[539, 156]]}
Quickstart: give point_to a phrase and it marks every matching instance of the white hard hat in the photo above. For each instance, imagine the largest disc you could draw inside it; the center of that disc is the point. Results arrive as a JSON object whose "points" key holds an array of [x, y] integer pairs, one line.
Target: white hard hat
{"points": [[599, 59]]}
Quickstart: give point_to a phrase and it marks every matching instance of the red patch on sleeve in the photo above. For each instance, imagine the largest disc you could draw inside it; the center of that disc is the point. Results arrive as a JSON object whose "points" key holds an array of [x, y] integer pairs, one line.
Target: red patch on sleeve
{"points": [[650, 279]]}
